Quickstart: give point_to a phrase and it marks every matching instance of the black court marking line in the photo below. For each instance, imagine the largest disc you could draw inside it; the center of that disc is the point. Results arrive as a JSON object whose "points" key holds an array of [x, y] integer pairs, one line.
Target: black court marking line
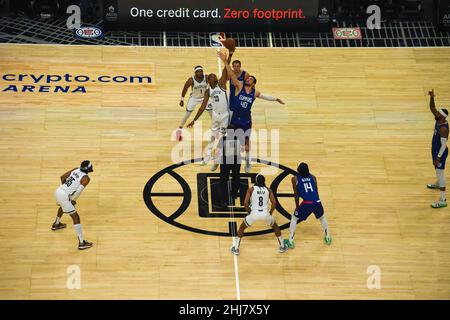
{"points": [[274, 187], [209, 204], [285, 195], [147, 195], [187, 195], [168, 194], [233, 231], [232, 226]]}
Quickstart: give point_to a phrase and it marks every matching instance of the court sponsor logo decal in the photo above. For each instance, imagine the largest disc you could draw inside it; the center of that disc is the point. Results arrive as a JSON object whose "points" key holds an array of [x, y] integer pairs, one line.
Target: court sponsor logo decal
{"points": [[347, 33], [88, 33], [74, 277], [209, 207], [374, 278]]}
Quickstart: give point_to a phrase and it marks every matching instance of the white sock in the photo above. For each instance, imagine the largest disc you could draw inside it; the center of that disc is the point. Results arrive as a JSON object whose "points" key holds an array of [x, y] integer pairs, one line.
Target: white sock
{"points": [[210, 148], [79, 231], [58, 220], [280, 240], [292, 228], [237, 242], [247, 157], [441, 182], [324, 223], [186, 116]]}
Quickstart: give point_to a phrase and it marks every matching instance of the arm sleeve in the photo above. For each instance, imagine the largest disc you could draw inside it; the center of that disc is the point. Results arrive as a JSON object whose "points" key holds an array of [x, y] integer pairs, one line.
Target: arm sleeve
{"points": [[77, 193], [267, 97], [443, 147]]}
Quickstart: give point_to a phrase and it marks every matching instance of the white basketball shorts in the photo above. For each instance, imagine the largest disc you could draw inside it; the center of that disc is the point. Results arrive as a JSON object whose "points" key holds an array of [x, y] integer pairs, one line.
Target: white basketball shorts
{"points": [[62, 199], [259, 215], [220, 120]]}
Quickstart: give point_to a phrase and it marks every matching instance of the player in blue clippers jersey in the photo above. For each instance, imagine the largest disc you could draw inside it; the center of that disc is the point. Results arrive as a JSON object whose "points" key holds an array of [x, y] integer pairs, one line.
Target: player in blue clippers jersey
{"points": [[241, 75], [245, 95], [439, 150], [305, 187]]}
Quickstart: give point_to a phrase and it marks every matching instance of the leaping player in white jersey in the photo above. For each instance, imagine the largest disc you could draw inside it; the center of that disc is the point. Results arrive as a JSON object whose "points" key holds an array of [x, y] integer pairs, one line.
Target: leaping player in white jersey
{"points": [[257, 205], [73, 183], [198, 83], [217, 97]]}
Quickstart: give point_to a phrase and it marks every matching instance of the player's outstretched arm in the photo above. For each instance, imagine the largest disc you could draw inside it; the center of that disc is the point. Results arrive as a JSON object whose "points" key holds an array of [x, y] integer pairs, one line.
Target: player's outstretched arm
{"points": [[66, 175], [247, 199], [223, 78], [432, 104], [202, 108], [273, 201], [267, 97], [294, 187], [238, 84], [229, 56], [228, 62], [187, 84]]}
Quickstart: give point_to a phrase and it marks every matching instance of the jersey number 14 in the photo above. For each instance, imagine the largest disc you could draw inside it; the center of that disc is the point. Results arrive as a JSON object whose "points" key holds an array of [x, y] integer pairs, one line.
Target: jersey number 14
{"points": [[308, 186]]}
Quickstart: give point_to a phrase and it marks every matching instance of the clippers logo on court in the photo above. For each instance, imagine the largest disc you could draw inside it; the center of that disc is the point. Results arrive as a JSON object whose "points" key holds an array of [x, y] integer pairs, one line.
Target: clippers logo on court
{"points": [[207, 216], [88, 33]]}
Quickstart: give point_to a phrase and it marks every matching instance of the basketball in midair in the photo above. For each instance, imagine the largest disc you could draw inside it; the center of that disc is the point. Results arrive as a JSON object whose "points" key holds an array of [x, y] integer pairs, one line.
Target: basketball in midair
{"points": [[229, 43]]}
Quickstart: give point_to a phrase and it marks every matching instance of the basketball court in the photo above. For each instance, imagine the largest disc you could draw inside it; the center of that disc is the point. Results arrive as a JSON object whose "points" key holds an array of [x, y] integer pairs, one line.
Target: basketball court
{"points": [[358, 116]]}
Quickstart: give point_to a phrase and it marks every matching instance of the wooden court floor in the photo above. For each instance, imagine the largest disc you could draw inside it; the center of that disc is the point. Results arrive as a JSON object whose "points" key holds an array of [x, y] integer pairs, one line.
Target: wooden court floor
{"points": [[359, 117]]}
